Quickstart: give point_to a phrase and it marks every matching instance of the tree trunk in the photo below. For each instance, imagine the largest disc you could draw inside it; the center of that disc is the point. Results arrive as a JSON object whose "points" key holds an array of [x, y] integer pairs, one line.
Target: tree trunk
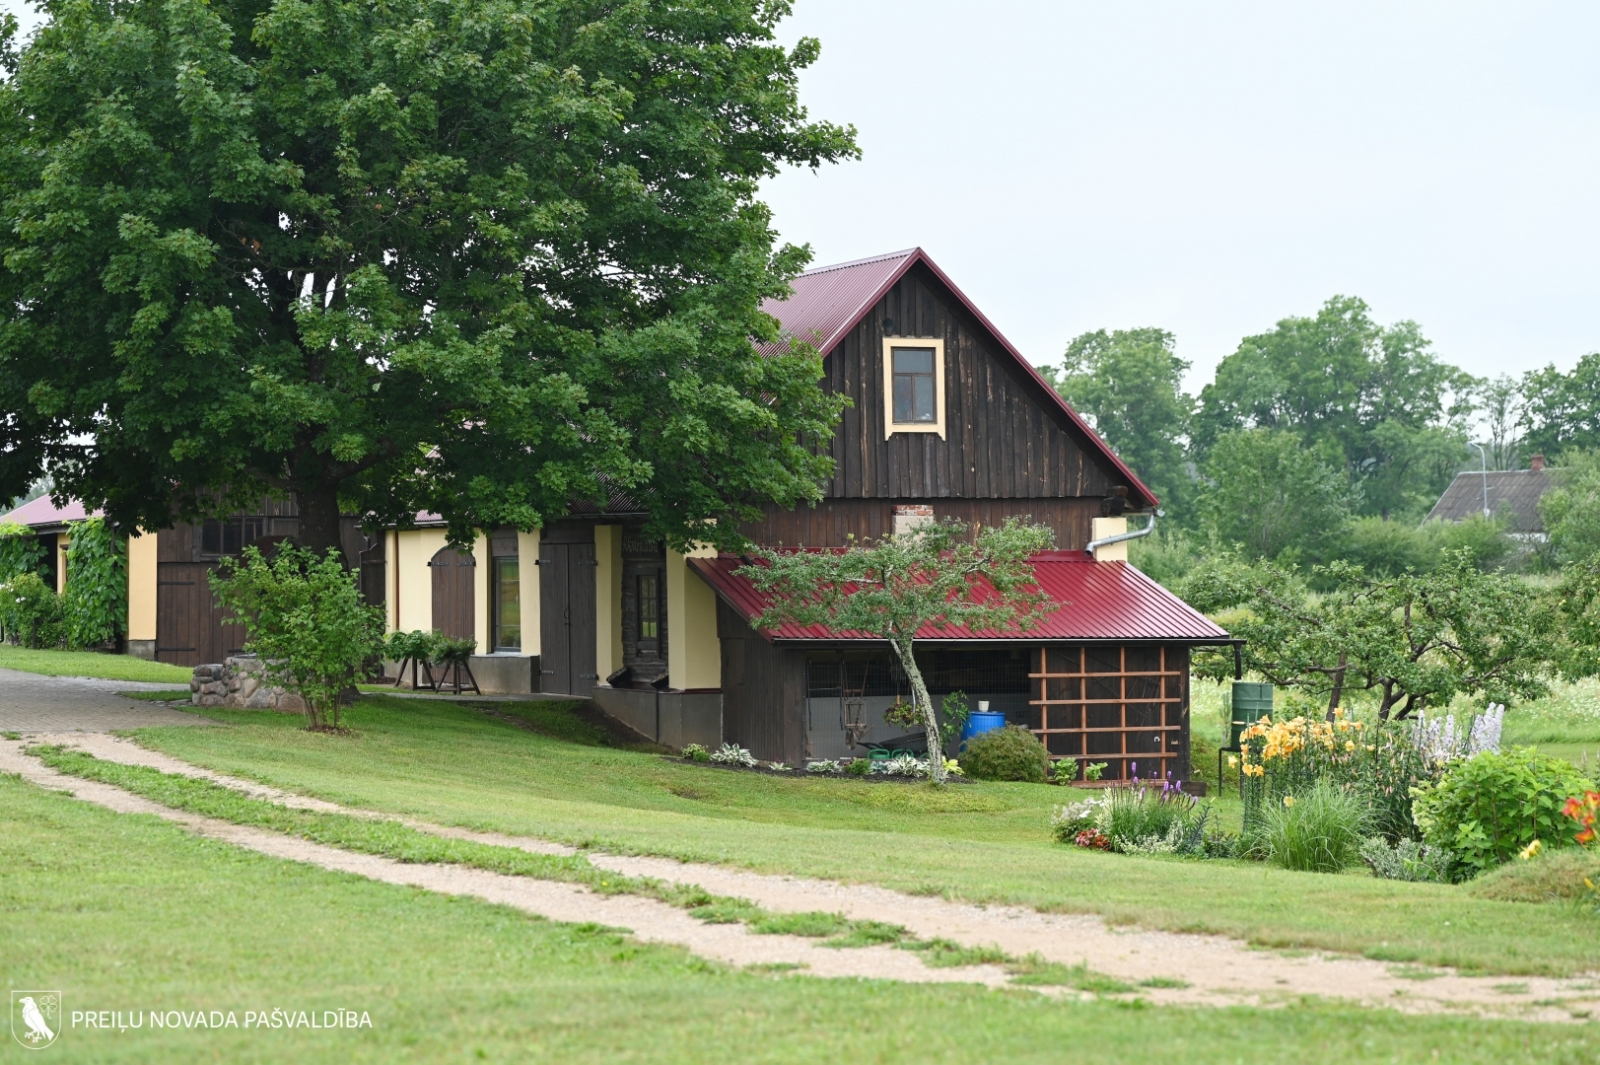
{"points": [[319, 520], [930, 720], [1338, 686]]}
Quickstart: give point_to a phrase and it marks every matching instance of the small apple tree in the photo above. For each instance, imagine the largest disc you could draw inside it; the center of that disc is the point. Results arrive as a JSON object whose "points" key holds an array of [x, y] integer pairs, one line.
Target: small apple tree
{"points": [[306, 620], [933, 577]]}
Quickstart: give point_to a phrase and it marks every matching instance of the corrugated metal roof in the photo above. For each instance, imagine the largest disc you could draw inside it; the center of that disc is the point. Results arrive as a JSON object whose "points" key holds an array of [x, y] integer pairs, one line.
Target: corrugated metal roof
{"points": [[830, 301], [42, 513], [1095, 601], [1514, 493]]}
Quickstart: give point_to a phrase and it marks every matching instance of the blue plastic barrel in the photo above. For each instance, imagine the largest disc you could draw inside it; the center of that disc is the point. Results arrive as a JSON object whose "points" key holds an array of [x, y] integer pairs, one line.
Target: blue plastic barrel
{"points": [[981, 721]]}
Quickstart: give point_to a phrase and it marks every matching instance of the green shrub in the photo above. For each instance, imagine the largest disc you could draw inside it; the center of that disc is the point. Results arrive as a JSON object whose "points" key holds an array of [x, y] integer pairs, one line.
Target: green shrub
{"points": [[1489, 807], [1553, 876], [94, 604], [30, 612], [307, 620], [1407, 860], [860, 767], [1318, 831], [1009, 753]]}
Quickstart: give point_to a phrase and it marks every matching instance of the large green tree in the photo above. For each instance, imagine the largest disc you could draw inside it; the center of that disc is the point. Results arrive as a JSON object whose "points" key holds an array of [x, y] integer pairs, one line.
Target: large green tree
{"points": [[1394, 412], [1129, 385], [1562, 410], [480, 257], [1270, 493]]}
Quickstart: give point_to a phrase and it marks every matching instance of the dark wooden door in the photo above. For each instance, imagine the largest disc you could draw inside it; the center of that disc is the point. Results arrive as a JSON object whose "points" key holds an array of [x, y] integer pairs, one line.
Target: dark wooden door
{"points": [[567, 618], [454, 587]]}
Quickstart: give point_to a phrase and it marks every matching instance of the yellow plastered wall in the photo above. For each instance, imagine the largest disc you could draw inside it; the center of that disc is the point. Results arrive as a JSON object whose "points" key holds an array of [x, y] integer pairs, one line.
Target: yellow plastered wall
{"points": [[1102, 527], [413, 580], [61, 562], [694, 654], [608, 599], [528, 578], [142, 586], [480, 594]]}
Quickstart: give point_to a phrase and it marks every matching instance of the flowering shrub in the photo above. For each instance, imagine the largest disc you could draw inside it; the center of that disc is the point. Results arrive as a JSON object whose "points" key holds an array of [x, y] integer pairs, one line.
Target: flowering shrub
{"points": [[1584, 809], [1092, 839], [1489, 807], [30, 612], [1378, 762], [1441, 741], [1068, 822], [733, 754], [1144, 820]]}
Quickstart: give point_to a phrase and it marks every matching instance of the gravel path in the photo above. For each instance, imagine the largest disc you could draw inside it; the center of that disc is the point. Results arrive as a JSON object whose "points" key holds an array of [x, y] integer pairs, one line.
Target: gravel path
{"points": [[1219, 971], [31, 703]]}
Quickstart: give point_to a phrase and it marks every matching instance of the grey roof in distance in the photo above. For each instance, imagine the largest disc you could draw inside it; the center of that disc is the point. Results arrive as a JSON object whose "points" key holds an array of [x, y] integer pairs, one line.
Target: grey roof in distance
{"points": [[1514, 493]]}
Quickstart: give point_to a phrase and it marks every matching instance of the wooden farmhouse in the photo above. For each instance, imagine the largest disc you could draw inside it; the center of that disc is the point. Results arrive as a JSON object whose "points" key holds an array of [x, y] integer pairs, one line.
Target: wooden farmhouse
{"points": [[947, 419]]}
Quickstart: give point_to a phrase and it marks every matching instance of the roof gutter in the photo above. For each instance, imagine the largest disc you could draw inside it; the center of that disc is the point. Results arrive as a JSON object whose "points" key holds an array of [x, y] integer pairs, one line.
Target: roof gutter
{"points": [[1137, 534]]}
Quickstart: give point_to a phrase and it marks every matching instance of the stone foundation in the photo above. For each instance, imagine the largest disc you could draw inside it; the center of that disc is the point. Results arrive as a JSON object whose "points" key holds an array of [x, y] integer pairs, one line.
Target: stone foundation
{"points": [[237, 683]]}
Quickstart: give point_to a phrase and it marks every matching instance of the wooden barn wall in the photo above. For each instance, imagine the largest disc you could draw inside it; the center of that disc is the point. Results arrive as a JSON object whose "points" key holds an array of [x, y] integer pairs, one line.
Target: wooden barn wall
{"points": [[1003, 441], [189, 624], [831, 521], [763, 692]]}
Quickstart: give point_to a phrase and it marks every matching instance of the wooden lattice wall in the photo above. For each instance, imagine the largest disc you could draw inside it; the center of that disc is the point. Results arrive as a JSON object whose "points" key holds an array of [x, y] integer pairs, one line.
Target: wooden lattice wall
{"points": [[1119, 704]]}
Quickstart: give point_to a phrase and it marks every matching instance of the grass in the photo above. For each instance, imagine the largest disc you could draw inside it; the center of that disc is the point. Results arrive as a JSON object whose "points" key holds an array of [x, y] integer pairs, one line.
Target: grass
{"points": [[92, 664], [449, 763], [170, 695], [125, 912]]}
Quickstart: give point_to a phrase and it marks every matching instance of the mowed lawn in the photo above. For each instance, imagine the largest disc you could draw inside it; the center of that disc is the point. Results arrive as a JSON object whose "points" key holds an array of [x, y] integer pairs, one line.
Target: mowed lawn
{"points": [[91, 664], [450, 763], [123, 912]]}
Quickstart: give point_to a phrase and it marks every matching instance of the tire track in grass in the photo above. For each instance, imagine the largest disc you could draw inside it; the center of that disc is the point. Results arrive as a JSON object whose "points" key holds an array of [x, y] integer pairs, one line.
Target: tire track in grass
{"points": [[1038, 949]]}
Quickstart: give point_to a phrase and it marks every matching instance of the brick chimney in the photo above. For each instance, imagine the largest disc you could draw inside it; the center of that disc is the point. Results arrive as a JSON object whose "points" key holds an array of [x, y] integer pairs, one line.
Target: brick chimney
{"points": [[910, 517], [1536, 463]]}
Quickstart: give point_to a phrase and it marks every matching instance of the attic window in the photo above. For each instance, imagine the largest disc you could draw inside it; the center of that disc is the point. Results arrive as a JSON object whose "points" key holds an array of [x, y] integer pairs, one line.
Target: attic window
{"points": [[913, 385]]}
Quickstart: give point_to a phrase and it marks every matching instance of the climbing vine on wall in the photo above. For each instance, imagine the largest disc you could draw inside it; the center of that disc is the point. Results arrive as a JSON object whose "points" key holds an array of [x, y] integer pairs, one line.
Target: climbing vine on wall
{"points": [[20, 551], [95, 601]]}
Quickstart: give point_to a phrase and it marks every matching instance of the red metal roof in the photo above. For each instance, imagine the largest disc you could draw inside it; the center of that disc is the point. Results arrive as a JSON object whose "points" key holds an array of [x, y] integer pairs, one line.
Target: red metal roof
{"points": [[830, 301], [1095, 601], [41, 512]]}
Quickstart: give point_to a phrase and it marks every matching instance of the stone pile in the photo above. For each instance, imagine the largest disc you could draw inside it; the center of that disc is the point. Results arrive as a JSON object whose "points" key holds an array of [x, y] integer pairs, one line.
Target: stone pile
{"points": [[237, 682]]}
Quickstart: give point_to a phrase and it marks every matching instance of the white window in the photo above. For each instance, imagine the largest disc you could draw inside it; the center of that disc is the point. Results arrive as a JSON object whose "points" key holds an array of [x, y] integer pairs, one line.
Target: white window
{"points": [[913, 386]]}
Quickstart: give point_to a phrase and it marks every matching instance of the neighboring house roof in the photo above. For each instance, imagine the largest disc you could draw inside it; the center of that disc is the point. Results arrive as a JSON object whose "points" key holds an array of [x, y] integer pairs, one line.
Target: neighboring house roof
{"points": [[41, 513], [830, 301], [1109, 601], [1514, 493]]}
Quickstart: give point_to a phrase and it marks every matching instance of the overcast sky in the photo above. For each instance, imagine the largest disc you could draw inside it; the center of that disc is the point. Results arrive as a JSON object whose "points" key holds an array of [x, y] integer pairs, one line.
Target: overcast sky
{"points": [[1211, 168]]}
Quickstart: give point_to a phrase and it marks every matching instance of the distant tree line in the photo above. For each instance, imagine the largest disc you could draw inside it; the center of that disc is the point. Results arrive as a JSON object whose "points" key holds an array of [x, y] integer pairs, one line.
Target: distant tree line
{"points": [[1330, 437]]}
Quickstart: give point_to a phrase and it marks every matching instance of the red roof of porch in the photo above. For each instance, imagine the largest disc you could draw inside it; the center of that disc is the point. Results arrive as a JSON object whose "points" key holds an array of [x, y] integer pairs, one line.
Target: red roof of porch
{"points": [[1094, 601]]}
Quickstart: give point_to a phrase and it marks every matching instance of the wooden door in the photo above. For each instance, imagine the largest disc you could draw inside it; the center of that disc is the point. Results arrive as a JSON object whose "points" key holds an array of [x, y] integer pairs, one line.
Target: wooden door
{"points": [[454, 588], [567, 618]]}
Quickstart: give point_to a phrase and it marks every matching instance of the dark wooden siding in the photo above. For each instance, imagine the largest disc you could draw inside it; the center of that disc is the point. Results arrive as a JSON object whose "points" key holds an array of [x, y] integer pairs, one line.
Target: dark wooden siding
{"points": [[1004, 437], [831, 521], [567, 608], [643, 558], [454, 593], [763, 692], [189, 624]]}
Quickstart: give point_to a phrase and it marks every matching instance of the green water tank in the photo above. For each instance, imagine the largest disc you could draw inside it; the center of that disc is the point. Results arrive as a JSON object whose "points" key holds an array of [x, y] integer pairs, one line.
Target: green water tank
{"points": [[1251, 702]]}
